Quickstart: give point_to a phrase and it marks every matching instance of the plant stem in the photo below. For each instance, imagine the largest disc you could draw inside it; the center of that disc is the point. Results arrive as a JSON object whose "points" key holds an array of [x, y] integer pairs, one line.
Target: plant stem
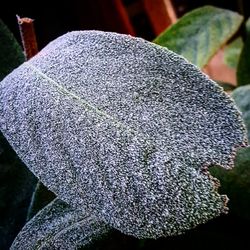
{"points": [[240, 6], [28, 36]]}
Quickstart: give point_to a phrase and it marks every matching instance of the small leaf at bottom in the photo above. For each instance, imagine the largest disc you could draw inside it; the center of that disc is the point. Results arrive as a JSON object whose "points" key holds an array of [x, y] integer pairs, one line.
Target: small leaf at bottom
{"points": [[59, 226]]}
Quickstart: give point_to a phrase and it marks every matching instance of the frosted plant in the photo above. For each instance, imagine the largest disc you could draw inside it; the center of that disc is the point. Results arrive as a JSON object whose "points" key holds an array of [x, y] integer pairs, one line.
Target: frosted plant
{"points": [[236, 183], [122, 129], [58, 226]]}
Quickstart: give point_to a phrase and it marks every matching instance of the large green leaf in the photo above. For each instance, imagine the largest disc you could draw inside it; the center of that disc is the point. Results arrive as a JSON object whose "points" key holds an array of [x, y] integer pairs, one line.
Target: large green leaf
{"points": [[59, 226], [11, 54], [16, 187], [241, 96], [243, 70], [123, 128], [200, 33], [16, 181], [236, 183], [232, 53]]}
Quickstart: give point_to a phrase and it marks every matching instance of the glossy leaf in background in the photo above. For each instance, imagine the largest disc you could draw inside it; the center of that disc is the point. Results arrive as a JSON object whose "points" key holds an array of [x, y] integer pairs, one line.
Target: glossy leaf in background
{"points": [[241, 96], [199, 34], [236, 183], [243, 70], [11, 52], [16, 181], [123, 129], [58, 226], [232, 53]]}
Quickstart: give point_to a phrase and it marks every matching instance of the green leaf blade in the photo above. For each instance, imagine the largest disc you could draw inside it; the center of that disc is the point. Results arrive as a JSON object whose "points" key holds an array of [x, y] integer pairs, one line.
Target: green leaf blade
{"points": [[16, 181], [11, 52], [199, 34], [236, 182], [241, 96], [243, 69], [232, 53]]}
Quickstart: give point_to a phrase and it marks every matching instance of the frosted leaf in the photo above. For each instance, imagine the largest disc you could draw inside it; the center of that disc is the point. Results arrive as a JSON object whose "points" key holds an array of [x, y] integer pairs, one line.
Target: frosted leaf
{"points": [[59, 226], [122, 128]]}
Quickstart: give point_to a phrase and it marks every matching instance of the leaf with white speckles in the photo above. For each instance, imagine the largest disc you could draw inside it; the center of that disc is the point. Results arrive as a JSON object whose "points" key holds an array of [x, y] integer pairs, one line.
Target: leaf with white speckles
{"points": [[236, 183], [58, 226], [124, 129]]}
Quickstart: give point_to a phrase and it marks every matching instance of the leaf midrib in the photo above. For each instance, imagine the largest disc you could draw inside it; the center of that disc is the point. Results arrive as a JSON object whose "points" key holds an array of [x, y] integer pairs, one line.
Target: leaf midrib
{"points": [[84, 103]]}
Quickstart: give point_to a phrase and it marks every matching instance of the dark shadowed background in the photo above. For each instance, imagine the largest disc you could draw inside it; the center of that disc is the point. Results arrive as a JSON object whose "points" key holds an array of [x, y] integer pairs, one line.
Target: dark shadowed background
{"points": [[54, 18]]}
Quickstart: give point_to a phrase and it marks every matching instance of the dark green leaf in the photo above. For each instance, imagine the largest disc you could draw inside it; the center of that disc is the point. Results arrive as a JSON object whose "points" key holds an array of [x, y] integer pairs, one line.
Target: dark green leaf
{"points": [[241, 96], [232, 52], [236, 183], [16, 187], [200, 33], [59, 226], [16, 181], [243, 69], [11, 53], [226, 86]]}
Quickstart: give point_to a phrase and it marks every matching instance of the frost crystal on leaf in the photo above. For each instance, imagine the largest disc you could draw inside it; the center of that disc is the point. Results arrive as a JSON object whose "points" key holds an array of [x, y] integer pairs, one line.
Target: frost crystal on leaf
{"points": [[124, 129]]}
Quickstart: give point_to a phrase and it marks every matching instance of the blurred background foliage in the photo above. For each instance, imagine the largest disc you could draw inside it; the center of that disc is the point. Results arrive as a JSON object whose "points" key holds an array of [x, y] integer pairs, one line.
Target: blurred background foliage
{"points": [[109, 15]]}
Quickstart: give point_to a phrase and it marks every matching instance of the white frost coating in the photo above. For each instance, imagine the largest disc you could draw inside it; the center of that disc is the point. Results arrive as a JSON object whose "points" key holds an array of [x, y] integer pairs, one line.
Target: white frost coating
{"points": [[123, 129], [59, 226]]}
